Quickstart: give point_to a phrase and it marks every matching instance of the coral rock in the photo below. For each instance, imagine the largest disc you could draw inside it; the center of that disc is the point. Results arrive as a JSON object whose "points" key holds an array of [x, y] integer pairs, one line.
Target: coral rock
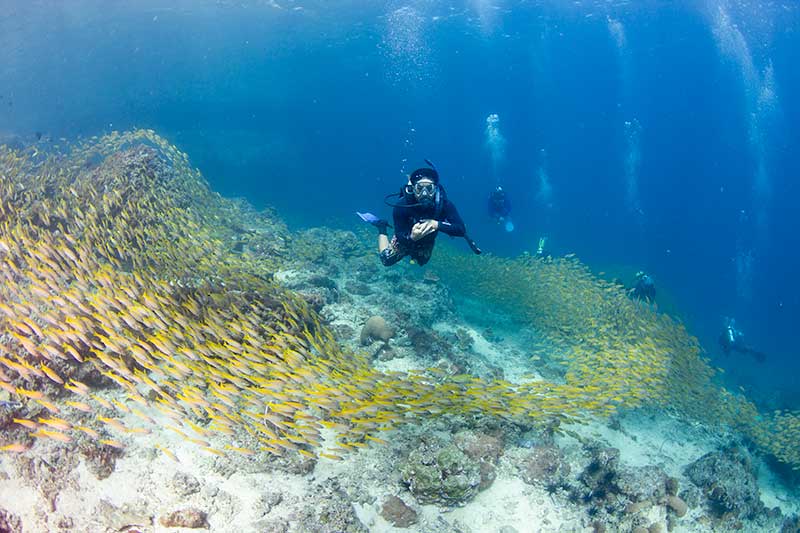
{"points": [[642, 483], [127, 515], [791, 525], [602, 473], [270, 500], [101, 460], [427, 344], [728, 481], [479, 446], [488, 475], [672, 486], [185, 484], [190, 518], [545, 465], [328, 509], [358, 288], [442, 474], [677, 505], [376, 328], [396, 511], [9, 523], [276, 525]]}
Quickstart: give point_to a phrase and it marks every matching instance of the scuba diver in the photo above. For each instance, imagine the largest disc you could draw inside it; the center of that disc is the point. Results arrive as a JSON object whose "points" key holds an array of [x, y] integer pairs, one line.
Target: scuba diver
{"points": [[541, 248], [644, 288], [499, 207], [732, 340], [421, 212]]}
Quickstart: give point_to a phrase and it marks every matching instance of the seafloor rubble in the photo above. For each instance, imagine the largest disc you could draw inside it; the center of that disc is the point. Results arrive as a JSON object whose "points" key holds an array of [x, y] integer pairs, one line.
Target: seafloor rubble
{"points": [[172, 359]]}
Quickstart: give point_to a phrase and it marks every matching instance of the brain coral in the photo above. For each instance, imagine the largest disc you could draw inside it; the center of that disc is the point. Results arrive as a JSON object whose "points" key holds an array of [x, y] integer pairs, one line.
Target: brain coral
{"points": [[376, 328]]}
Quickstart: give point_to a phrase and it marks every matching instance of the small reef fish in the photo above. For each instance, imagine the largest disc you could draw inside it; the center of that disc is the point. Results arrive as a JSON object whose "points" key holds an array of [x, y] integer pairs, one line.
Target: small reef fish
{"points": [[56, 423], [94, 272], [167, 452], [30, 424], [55, 435], [15, 448], [331, 456], [89, 431], [80, 406]]}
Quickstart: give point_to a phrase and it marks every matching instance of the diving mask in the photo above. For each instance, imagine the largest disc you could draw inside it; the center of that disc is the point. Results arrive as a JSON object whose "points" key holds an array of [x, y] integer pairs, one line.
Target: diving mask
{"points": [[424, 190]]}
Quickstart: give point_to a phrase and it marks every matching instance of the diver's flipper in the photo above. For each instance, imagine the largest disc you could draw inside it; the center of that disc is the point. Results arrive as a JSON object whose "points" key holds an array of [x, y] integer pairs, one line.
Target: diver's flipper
{"points": [[367, 217], [509, 225], [372, 219]]}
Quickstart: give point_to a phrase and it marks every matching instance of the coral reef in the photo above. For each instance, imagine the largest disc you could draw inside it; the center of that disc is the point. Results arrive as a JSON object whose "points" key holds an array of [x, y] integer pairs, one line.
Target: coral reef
{"points": [[728, 481], [479, 446], [329, 511], [318, 245], [100, 459], [484, 448], [642, 483], [601, 475], [50, 472], [622, 354], [428, 345], [546, 466], [438, 472], [135, 300]]}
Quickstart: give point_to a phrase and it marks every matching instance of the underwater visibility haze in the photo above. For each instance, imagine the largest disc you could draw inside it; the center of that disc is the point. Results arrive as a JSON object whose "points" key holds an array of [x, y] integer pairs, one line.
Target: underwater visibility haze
{"points": [[178, 237]]}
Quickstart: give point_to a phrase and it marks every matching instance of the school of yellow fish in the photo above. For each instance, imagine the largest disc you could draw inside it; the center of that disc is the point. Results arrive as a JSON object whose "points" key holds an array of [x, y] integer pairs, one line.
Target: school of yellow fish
{"points": [[620, 353], [123, 309]]}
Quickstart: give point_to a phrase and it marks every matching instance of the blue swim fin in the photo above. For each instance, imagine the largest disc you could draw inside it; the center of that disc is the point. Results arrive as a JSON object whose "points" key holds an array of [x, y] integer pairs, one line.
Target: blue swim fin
{"points": [[367, 217], [372, 219]]}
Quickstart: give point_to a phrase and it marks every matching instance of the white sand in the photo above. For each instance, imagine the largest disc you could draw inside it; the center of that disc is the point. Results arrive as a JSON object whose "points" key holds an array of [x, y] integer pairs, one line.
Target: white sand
{"points": [[661, 440], [775, 493], [508, 502], [142, 484], [142, 481]]}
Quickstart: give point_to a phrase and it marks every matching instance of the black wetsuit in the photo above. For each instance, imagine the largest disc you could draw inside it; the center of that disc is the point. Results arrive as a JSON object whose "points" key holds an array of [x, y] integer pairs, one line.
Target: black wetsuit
{"points": [[645, 289], [732, 340], [405, 215], [499, 205]]}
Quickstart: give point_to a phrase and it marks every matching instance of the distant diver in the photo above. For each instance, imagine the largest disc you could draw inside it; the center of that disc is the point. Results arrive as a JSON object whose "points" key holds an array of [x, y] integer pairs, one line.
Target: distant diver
{"points": [[644, 288], [420, 213], [541, 248], [732, 340], [499, 207]]}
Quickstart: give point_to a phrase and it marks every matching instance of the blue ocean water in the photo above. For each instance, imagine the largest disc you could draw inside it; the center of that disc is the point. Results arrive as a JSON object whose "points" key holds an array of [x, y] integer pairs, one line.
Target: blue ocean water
{"points": [[661, 136]]}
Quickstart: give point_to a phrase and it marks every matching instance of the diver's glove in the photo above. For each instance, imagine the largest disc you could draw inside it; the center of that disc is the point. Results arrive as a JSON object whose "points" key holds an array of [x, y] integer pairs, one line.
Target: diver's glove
{"points": [[423, 228]]}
